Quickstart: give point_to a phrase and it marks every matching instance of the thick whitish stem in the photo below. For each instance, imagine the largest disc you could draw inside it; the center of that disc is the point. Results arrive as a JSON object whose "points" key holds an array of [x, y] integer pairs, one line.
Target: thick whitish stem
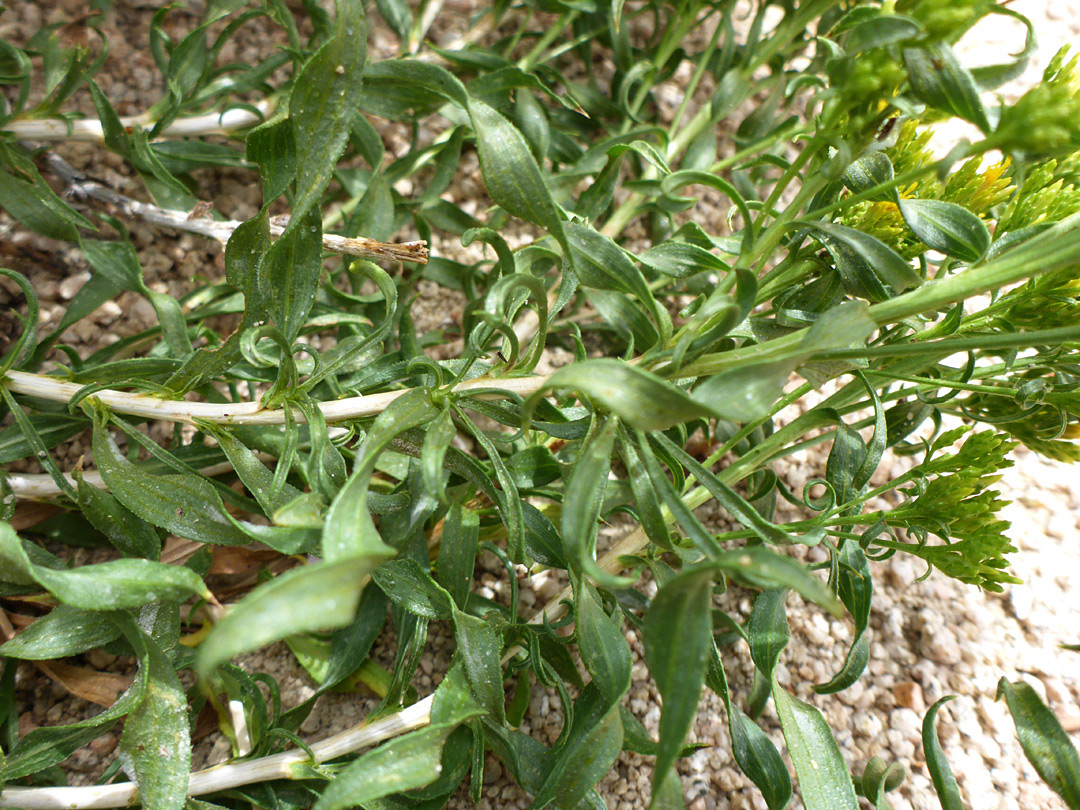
{"points": [[423, 25], [244, 413], [474, 34], [31, 486], [37, 486], [286, 765], [90, 130]]}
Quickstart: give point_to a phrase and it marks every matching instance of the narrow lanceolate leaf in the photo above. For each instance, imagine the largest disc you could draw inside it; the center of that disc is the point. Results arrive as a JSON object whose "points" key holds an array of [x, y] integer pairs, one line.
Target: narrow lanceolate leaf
{"points": [[62, 632], [37, 206], [156, 745], [845, 459], [397, 15], [510, 172], [289, 273], [824, 780], [129, 533], [672, 497], [185, 505], [945, 786], [592, 745], [254, 474], [415, 76], [939, 80], [759, 759], [323, 104], [680, 259], [114, 585], [437, 440], [117, 260], [646, 498], [602, 264], [1044, 741], [753, 750], [273, 147], [350, 530], [869, 268], [678, 637], [856, 590], [321, 596], [768, 630], [640, 399], [604, 649], [407, 763], [583, 501], [457, 552], [760, 567], [409, 585], [244, 253], [947, 227], [479, 646], [768, 634]]}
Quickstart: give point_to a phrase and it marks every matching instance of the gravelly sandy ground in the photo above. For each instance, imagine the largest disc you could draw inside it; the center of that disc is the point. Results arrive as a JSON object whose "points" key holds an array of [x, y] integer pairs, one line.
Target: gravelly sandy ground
{"points": [[930, 638]]}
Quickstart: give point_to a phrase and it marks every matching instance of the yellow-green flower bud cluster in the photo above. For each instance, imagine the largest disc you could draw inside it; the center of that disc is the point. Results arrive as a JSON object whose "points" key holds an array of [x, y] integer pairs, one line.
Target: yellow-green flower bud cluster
{"points": [[883, 221], [1046, 302], [976, 189], [911, 149], [1050, 192], [873, 75], [944, 21], [1046, 119]]}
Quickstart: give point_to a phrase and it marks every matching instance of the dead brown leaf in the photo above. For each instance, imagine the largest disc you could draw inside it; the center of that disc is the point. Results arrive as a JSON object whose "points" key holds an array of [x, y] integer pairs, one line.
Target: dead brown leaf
{"points": [[31, 513], [102, 688], [241, 560]]}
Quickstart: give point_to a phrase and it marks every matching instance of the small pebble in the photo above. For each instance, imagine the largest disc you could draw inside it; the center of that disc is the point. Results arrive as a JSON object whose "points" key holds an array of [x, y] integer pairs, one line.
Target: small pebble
{"points": [[909, 695], [71, 285]]}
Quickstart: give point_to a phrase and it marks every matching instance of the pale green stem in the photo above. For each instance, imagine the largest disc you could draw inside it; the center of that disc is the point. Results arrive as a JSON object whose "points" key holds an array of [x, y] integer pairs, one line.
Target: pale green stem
{"points": [[695, 80], [533, 57]]}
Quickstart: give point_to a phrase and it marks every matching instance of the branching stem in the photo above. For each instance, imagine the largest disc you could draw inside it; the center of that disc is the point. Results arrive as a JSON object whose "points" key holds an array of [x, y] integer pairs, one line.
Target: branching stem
{"points": [[90, 129], [245, 413], [286, 765]]}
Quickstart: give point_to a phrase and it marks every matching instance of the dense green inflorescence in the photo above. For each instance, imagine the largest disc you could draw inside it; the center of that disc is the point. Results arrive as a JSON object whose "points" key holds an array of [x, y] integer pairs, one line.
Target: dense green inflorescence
{"points": [[656, 301]]}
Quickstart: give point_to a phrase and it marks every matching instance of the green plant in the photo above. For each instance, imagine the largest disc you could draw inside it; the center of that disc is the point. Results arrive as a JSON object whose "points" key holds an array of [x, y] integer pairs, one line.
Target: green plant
{"points": [[850, 256], [1042, 737]]}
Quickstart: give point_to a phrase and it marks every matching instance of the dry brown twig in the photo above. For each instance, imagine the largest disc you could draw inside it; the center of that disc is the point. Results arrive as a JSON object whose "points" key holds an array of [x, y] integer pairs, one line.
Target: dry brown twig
{"points": [[80, 186], [37, 485]]}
